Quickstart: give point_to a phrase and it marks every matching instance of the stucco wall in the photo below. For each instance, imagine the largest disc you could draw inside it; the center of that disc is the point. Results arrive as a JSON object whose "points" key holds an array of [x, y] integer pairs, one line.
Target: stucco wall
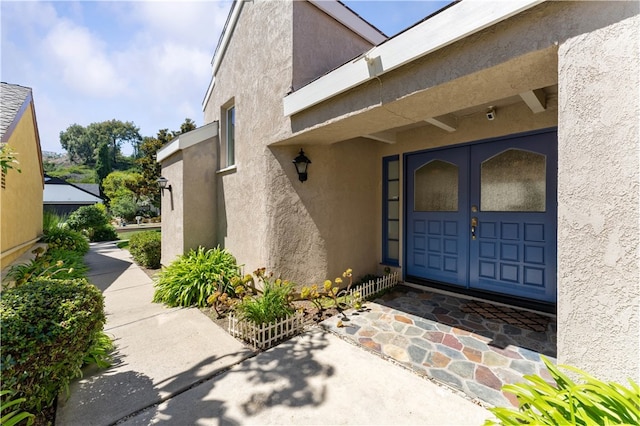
{"points": [[172, 209], [320, 43], [598, 227], [199, 210], [21, 200]]}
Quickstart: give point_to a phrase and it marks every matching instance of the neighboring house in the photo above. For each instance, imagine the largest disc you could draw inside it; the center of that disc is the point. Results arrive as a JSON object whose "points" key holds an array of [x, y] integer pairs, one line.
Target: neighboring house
{"points": [[21, 193], [63, 198], [491, 150]]}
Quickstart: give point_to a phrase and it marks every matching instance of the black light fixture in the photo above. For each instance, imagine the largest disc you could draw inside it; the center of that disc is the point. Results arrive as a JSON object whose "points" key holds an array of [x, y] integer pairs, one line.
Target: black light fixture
{"points": [[301, 162], [162, 184]]}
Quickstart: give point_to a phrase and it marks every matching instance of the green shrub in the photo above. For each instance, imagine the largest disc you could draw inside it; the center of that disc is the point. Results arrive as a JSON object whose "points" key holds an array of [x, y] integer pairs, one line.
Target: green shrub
{"points": [[99, 352], [124, 206], [87, 217], [195, 276], [47, 326], [145, 248], [56, 263], [105, 233], [66, 239], [273, 304], [587, 402]]}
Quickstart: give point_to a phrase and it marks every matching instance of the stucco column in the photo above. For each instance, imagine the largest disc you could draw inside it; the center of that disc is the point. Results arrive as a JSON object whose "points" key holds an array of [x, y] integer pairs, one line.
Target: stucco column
{"points": [[598, 174]]}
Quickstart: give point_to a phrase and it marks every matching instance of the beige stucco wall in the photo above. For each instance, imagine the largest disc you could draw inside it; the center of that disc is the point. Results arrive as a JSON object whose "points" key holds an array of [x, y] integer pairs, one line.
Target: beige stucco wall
{"points": [[21, 199], [259, 198], [320, 43], [598, 181], [172, 209]]}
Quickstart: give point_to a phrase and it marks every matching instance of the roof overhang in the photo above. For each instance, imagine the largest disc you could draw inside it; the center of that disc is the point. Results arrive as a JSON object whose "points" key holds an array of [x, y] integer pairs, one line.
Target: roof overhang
{"points": [[188, 139], [453, 24], [333, 8]]}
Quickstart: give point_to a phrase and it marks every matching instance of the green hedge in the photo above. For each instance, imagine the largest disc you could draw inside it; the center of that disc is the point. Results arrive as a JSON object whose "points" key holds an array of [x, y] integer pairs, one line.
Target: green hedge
{"points": [[145, 248], [47, 326]]}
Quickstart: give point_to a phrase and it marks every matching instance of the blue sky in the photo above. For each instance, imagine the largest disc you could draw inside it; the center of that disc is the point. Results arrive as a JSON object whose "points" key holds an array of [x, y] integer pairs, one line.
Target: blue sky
{"points": [[148, 62]]}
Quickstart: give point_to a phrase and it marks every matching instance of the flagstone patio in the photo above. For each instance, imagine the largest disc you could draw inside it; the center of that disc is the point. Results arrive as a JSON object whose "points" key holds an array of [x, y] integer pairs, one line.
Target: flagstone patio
{"points": [[472, 347]]}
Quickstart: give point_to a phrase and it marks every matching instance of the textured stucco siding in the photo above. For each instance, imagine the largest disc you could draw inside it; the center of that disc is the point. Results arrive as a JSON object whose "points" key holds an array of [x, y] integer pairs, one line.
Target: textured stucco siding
{"points": [[21, 200], [254, 75], [320, 44], [172, 209], [598, 223], [199, 212]]}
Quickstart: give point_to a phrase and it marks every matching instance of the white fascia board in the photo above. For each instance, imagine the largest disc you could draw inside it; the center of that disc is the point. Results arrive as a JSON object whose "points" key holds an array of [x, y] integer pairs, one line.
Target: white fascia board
{"points": [[188, 139], [455, 23], [226, 37], [349, 19]]}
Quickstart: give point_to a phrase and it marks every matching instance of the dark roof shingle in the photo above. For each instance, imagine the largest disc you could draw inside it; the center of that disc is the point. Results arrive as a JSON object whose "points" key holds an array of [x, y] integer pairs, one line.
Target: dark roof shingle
{"points": [[12, 100]]}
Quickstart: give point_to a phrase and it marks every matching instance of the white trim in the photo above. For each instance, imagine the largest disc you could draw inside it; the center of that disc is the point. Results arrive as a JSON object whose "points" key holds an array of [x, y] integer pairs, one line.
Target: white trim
{"points": [[455, 23], [445, 123], [227, 169], [188, 139], [536, 100], [351, 20], [222, 48]]}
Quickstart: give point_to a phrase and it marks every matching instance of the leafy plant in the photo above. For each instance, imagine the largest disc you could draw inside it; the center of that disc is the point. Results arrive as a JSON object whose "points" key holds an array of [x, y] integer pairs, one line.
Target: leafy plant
{"points": [[66, 239], [52, 221], [47, 326], [88, 219], [145, 248], [587, 402], [60, 264], [99, 352], [105, 233], [196, 275], [11, 418], [124, 206], [332, 294], [8, 159], [272, 304]]}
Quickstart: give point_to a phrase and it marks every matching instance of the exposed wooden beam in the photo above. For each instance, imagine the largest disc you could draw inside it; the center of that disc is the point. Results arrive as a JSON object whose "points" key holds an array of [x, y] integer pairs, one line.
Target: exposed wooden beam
{"points": [[386, 137], [445, 122], [536, 100]]}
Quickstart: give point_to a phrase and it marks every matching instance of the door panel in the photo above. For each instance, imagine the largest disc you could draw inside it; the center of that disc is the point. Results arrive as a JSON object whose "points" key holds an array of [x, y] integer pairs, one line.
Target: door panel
{"points": [[514, 252], [437, 208], [483, 217]]}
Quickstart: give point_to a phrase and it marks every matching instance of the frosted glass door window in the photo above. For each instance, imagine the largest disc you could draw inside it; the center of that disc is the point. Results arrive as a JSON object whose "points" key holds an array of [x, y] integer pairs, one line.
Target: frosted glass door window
{"points": [[513, 181], [436, 187]]}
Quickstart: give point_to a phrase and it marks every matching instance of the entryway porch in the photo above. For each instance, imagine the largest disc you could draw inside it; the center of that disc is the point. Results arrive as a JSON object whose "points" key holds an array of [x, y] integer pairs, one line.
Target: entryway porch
{"points": [[471, 346]]}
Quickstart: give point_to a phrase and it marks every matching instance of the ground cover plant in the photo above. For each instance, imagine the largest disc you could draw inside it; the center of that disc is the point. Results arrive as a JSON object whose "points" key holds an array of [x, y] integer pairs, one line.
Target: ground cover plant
{"points": [[585, 401], [47, 327], [195, 276], [145, 248]]}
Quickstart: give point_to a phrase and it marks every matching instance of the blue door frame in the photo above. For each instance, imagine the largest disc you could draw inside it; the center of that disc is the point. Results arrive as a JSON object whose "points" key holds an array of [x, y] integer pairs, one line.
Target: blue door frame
{"points": [[505, 253]]}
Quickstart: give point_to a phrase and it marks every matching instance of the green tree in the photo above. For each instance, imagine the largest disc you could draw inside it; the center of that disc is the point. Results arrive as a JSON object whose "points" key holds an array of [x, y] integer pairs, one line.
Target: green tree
{"points": [[118, 184], [150, 169], [103, 164], [82, 142], [80, 147]]}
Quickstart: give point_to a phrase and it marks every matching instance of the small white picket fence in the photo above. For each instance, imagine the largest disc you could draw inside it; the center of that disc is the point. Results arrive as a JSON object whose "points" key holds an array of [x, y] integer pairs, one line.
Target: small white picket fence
{"points": [[264, 336], [375, 286]]}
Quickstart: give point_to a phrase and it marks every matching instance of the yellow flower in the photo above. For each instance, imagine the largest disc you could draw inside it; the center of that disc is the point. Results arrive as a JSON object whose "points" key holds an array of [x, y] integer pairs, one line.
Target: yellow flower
{"points": [[347, 273], [338, 280], [327, 285]]}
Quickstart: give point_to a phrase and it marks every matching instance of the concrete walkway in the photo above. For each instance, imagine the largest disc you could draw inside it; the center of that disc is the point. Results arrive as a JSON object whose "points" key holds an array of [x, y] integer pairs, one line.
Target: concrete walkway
{"points": [[176, 367]]}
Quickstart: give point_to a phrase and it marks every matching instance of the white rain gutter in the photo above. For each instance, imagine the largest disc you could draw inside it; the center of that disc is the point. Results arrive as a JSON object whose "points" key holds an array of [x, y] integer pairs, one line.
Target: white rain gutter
{"points": [[455, 23]]}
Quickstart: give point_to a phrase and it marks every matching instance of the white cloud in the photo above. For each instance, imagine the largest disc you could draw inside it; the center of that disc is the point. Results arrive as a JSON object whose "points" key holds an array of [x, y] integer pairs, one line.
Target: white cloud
{"points": [[82, 60]]}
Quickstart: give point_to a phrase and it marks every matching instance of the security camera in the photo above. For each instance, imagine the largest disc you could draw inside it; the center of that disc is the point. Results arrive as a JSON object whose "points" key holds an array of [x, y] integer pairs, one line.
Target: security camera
{"points": [[491, 114]]}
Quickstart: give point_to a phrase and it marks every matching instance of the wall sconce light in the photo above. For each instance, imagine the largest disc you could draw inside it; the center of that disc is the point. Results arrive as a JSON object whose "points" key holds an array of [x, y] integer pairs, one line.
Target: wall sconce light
{"points": [[301, 162], [162, 184]]}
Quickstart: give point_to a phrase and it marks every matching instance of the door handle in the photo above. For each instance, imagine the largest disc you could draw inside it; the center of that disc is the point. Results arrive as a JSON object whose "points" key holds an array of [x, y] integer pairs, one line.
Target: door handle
{"points": [[474, 226]]}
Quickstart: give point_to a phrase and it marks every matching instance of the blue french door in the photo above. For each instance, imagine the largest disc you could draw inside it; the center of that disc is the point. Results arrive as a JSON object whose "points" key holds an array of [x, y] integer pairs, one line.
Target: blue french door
{"points": [[483, 216]]}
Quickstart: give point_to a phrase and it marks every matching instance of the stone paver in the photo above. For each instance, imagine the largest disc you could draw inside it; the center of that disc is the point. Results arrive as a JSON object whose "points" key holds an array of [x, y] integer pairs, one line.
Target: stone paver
{"points": [[455, 345]]}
